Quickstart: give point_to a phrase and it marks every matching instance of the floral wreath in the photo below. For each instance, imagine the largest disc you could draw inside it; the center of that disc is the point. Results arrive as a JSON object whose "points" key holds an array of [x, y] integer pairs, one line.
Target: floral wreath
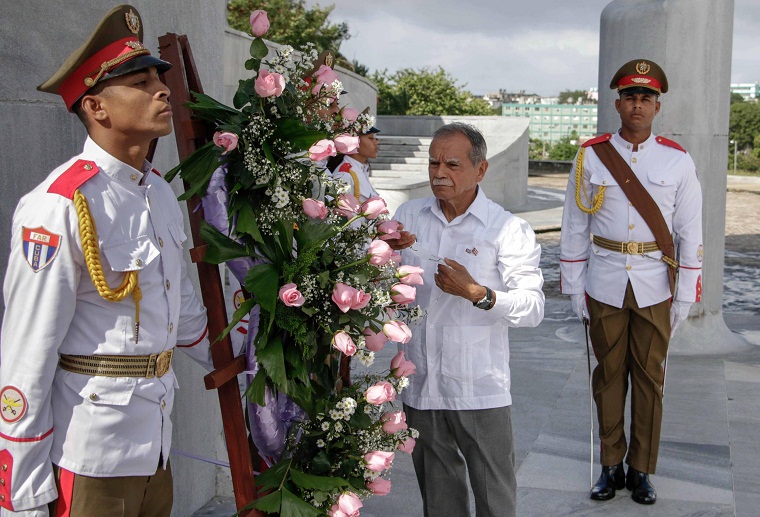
{"points": [[326, 283]]}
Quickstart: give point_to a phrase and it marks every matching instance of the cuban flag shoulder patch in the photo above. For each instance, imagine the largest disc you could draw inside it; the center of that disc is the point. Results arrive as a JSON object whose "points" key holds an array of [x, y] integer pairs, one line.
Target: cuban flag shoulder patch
{"points": [[40, 247]]}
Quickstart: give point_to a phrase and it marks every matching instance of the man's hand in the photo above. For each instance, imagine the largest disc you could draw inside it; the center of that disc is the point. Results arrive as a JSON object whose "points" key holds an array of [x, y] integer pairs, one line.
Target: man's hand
{"points": [[578, 301], [403, 242], [679, 311], [453, 278]]}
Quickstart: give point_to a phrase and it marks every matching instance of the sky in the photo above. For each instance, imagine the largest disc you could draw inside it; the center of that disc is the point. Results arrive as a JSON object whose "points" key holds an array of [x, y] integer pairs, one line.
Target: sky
{"points": [[539, 46]]}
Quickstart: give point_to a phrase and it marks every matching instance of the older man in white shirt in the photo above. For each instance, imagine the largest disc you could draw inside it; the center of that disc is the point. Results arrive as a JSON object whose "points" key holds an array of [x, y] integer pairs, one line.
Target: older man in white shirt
{"points": [[481, 276]]}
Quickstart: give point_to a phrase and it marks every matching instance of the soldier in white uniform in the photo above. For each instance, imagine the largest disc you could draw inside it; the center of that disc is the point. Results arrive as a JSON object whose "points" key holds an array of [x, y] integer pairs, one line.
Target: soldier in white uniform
{"points": [[617, 273], [353, 169], [97, 296]]}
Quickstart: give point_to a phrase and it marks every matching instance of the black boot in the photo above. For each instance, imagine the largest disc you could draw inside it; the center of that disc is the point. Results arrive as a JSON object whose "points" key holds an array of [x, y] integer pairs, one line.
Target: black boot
{"points": [[643, 489], [611, 479]]}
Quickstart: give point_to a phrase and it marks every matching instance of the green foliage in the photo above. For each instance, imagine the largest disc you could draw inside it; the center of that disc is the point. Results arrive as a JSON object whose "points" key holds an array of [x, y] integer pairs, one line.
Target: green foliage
{"points": [[359, 68], [744, 124], [536, 149], [572, 96], [427, 91], [291, 22], [736, 97], [565, 149]]}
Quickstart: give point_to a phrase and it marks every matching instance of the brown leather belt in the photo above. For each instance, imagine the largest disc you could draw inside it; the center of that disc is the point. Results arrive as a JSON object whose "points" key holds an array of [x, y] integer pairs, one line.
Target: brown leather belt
{"points": [[630, 248], [148, 366]]}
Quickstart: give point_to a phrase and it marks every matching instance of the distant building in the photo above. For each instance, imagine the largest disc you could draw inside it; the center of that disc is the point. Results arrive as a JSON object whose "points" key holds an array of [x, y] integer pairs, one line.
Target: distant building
{"points": [[749, 91], [498, 98], [593, 94], [551, 122]]}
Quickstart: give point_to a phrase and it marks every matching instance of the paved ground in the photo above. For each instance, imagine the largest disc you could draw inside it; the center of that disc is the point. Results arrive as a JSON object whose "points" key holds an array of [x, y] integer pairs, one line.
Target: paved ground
{"points": [[710, 452]]}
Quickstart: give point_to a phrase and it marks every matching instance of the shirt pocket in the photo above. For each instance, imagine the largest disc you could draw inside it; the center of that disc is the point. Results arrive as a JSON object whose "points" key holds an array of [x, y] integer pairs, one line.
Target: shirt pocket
{"points": [[131, 255], [178, 234], [100, 390], [465, 353], [602, 178], [480, 261]]}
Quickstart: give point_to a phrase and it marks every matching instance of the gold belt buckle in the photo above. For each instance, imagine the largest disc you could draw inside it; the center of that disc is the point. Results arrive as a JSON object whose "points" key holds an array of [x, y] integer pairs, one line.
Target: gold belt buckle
{"points": [[164, 362], [633, 248]]}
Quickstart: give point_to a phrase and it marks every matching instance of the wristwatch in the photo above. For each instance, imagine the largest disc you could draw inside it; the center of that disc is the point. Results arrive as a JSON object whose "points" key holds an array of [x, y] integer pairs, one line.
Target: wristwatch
{"points": [[486, 301]]}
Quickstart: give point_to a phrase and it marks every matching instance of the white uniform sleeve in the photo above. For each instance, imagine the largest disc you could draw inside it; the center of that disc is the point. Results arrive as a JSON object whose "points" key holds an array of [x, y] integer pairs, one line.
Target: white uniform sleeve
{"points": [[687, 231], [39, 305], [574, 238]]}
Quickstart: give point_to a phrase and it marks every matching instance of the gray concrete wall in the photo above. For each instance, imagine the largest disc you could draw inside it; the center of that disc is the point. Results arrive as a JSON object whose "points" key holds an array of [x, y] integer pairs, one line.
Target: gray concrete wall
{"points": [[361, 91], [506, 180], [691, 40], [39, 134]]}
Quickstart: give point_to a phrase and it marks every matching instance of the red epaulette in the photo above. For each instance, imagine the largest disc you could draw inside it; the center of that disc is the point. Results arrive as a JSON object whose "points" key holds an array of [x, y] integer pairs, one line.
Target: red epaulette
{"points": [[346, 167], [597, 140], [670, 143], [156, 172], [73, 178]]}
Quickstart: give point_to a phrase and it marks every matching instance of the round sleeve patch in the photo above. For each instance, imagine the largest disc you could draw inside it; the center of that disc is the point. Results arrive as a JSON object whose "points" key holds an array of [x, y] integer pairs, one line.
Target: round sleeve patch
{"points": [[13, 404]]}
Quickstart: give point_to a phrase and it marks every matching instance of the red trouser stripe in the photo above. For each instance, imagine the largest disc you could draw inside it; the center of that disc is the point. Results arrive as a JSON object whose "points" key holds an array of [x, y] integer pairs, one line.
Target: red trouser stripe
{"points": [[65, 493]]}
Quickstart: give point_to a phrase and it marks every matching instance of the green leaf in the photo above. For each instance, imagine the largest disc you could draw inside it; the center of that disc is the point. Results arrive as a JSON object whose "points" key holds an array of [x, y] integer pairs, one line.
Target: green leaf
{"points": [[270, 503], [238, 315], [246, 222], [259, 49], [299, 136], [273, 476], [360, 420], [208, 108], [321, 462], [197, 168], [240, 99], [311, 482], [255, 390], [220, 247], [314, 233], [272, 359], [294, 506], [252, 64], [263, 282]]}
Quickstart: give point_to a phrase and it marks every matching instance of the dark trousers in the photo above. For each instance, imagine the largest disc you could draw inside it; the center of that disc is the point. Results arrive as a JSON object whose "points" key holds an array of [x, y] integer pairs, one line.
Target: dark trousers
{"points": [[127, 496], [629, 342], [484, 439]]}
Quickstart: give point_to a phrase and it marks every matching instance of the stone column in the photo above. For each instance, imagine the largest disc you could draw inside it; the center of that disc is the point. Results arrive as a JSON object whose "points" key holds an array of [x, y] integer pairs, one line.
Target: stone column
{"points": [[691, 40]]}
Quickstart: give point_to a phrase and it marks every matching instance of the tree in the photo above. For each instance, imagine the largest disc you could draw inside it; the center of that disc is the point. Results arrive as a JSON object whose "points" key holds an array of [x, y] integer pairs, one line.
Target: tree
{"points": [[744, 124], [427, 91], [359, 68], [566, 148], [536, 149], [736, 97], [291, 22], [572, 96]]}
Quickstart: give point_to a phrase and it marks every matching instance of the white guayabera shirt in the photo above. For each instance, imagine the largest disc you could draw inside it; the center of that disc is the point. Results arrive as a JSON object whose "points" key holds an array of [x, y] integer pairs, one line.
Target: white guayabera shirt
{"points": [[462, 352]]}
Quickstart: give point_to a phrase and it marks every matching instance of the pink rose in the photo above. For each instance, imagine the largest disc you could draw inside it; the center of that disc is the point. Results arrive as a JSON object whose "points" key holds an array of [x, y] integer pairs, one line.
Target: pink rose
{"points": [[397, 331], [346, 297], [347, 505], [403, 294], [322, 150], [344, 343], [400, 367], [314, 208], [373, 207], [347, 144], [360, 300], [349, 114], [380, 393], [375, 340], [378, 461], [324, 76], [410, 275], [394, 421], [291, 296], [379, 252], [396, 257], [379, 486], [407, 445], [259, 23], [228, 141], [388, 230], [269, 84], [347, 205]]}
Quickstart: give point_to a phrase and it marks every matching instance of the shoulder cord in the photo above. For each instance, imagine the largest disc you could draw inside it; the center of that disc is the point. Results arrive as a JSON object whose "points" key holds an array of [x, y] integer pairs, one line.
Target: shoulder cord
{"points": [[357, 189], [89, 236], [596, 203]]}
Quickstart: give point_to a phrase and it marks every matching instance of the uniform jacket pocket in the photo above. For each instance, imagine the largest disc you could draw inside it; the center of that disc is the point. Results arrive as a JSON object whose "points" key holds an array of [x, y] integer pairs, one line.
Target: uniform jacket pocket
{"points": [[99, 390]]}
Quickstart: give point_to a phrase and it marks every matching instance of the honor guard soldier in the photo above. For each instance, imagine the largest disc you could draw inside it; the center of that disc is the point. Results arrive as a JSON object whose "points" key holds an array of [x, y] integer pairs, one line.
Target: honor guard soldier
{"points": [[97, 296], [353, 169], [631, 199]]}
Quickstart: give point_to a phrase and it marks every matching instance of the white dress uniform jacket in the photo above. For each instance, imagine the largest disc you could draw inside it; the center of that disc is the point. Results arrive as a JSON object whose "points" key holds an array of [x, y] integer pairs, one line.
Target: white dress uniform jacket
{"points": [[462, 352], [341, 173], [668, 174], [91, 425]]}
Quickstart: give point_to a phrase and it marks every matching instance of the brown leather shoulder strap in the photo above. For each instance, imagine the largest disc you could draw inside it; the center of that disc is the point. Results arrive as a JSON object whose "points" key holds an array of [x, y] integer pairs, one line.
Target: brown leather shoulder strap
{"points": [[642, 201]]}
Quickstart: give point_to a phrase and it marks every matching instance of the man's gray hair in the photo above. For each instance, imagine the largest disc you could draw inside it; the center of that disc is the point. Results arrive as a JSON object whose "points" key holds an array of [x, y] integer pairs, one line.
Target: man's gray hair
{"points": [[478, 148]]}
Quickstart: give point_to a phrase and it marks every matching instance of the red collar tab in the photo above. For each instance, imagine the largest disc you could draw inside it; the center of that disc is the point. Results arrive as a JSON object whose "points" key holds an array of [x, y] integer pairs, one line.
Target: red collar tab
{"points": [[73, 178], [345, 167], [670, 143], [597, 140], [102, 62], [645, 81]]}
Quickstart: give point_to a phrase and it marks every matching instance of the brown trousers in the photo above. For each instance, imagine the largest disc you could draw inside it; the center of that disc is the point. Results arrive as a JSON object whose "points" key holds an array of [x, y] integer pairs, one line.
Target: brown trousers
{"points": [[127, 496], [629, 342]]}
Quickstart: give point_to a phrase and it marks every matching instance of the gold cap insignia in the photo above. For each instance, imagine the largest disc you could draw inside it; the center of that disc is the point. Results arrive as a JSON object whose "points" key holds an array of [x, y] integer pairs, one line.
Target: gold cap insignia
{"points": [[135, 45], [642, 68], [133, 21], [641, 80], [329, 60]]}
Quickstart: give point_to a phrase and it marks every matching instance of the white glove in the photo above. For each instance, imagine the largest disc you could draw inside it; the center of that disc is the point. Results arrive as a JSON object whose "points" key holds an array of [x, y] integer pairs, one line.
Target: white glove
{"points": [[679, 311], [578, 302], [40, 511]]}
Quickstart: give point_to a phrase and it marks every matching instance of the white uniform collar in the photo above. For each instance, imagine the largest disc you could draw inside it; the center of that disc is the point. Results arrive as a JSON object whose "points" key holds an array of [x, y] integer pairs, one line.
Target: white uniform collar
{"points": [[112, 166], [625, 144], [478, 208], [356, 164]]}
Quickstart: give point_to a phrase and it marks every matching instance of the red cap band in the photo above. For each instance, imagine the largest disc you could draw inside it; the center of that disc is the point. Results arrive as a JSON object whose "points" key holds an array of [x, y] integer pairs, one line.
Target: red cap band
{"points": [[644, 81]]}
